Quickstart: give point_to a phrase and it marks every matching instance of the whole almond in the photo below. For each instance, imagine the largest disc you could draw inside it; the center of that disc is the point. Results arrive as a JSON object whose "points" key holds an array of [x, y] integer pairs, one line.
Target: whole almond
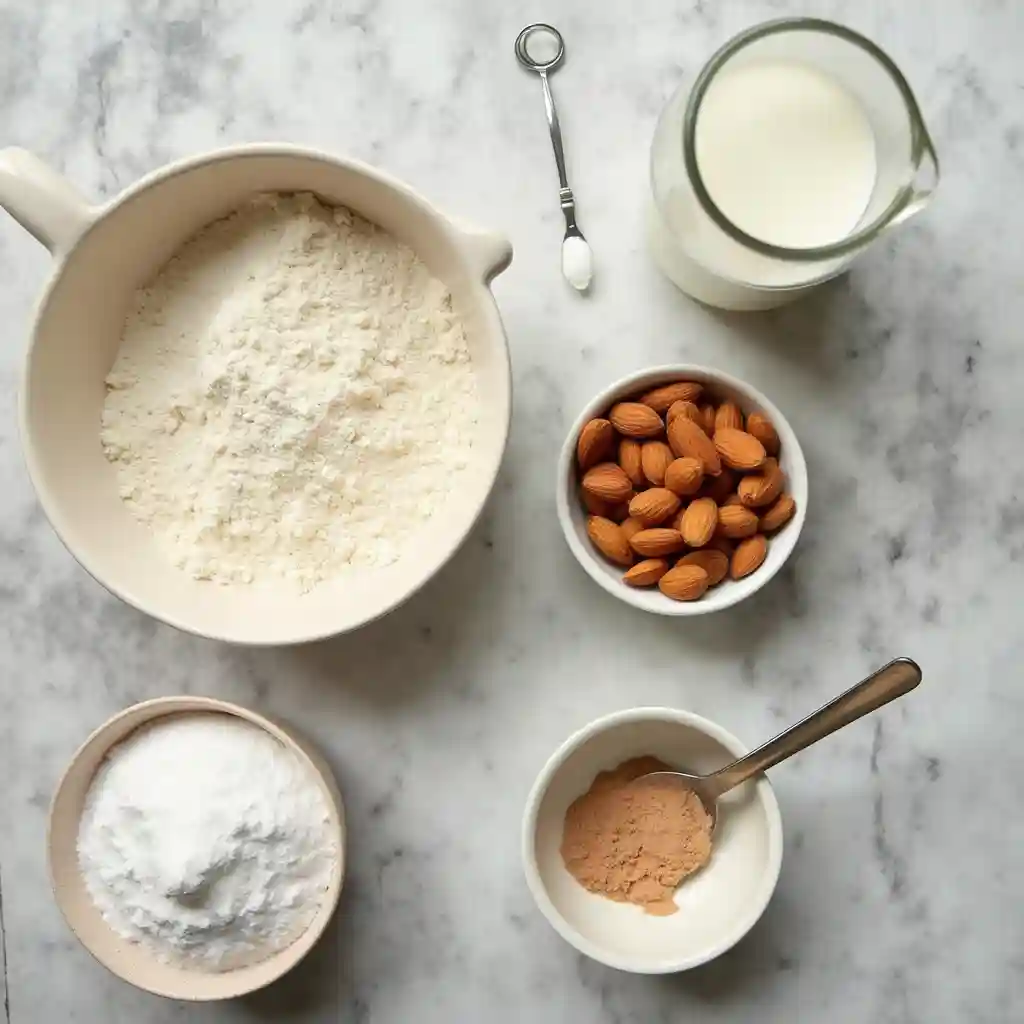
{"points": [[779, 514], [597, 439], [645, 573], [684, 583], [719, 487], [728, 415], [764, 486], [616, 512], [707, 419], [687, 409], [714, 563], [699, 522], [631, 461], [657, 542], [738, 449], [735, 521], [608, 482], [629, 526], [762, 428], [634, 419], [619, 512], [653, 506], [596, 506], [609, 539], [720, 543], [655, 456], [686, 439], [661, 398], [748, 556], [685, 475]]}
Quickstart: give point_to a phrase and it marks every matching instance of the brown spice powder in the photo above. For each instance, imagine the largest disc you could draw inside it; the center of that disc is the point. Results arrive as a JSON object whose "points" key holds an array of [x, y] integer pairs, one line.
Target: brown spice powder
{"points": [[635, 841]]}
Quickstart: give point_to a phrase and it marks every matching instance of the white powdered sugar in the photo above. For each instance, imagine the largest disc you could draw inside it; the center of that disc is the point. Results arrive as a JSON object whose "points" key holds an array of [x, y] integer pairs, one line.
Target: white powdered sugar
{"points": [[207, 841], [293, 396]]}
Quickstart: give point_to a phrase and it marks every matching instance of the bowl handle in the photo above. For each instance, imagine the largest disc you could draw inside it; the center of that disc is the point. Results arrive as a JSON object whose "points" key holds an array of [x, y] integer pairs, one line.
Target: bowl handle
{"points": [[488, 251], [41, 201]]}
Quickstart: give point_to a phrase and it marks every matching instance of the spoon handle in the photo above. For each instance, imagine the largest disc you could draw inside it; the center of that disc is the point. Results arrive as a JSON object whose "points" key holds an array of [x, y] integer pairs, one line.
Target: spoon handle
{"points": [[565, 196], [888, 683]]}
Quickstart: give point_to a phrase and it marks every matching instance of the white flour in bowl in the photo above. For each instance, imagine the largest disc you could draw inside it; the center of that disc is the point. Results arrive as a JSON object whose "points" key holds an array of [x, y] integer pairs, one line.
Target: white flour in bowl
{"points": [[293, 396], [206, 841]]}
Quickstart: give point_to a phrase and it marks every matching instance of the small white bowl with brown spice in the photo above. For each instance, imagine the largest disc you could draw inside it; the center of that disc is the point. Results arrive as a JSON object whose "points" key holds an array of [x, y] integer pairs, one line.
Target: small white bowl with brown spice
{"points": [[681, 490], [716, 906]]}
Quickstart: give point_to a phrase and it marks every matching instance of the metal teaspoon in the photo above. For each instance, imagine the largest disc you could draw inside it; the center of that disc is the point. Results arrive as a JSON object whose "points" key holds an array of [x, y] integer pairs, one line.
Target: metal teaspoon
{"points": [[577, 260], [888, 683]]}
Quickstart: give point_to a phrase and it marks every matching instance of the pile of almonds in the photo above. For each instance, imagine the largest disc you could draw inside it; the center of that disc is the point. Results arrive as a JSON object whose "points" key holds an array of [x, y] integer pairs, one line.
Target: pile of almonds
{"points": [[682, 491]]}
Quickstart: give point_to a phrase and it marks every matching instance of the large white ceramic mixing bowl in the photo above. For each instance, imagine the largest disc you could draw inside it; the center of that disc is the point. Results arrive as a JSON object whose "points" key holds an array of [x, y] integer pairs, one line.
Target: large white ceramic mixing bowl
{"points": [[102, 254]]}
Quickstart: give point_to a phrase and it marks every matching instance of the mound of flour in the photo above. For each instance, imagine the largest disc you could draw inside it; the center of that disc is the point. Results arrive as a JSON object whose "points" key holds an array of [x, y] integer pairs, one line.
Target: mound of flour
{"points": [[293, 396]]}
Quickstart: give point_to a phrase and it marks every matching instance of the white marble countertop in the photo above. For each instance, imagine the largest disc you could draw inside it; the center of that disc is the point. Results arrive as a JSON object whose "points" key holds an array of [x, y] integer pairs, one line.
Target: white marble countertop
{"points": [[900, 882]]}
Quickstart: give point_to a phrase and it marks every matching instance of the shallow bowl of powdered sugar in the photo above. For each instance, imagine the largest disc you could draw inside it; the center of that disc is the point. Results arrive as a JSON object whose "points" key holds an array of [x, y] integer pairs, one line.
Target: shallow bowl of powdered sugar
{"points": [[716, 907], [93, 863], [164, 483]]}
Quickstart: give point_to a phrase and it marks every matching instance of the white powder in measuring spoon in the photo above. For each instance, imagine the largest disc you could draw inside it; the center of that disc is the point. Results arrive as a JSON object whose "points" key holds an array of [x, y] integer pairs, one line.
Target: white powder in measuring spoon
{"points": [[577, 262], [207, 841]]}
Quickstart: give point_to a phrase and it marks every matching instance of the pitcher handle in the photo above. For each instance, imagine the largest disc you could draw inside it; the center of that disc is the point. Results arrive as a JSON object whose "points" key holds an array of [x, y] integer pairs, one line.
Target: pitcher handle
{"points": [[42, 201]]}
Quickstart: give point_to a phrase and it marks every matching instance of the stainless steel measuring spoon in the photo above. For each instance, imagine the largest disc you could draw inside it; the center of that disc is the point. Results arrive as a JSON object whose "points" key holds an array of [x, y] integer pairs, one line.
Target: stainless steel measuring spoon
{"points": [[577, 261], [888, 683]]}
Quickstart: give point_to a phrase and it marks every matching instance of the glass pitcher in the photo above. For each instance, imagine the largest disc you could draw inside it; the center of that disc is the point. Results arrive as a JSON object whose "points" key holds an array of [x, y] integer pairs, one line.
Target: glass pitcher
{"points": [[720, 263]]}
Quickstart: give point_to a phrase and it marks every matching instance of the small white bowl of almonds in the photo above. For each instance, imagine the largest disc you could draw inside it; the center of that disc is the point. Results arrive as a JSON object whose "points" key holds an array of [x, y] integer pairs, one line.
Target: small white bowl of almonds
{"points": [[681, 490]]}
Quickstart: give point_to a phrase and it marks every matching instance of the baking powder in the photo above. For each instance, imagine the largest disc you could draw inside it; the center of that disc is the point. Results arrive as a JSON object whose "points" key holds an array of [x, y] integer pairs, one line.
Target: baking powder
{"points": [[207, 841]]}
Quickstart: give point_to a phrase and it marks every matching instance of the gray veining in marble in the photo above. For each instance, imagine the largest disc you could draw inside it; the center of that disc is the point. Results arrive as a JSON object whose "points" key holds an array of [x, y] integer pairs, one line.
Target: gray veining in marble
{"points": [[900, 890]]}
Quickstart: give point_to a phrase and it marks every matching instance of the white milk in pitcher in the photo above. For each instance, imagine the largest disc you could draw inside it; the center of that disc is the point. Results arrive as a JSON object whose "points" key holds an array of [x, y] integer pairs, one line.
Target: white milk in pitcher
{"points": [[788, 155]]}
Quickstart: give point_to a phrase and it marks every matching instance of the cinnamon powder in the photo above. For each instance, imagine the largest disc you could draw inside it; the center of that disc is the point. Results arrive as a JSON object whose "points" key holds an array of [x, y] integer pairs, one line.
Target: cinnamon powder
{"points": [[635, 841]]}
